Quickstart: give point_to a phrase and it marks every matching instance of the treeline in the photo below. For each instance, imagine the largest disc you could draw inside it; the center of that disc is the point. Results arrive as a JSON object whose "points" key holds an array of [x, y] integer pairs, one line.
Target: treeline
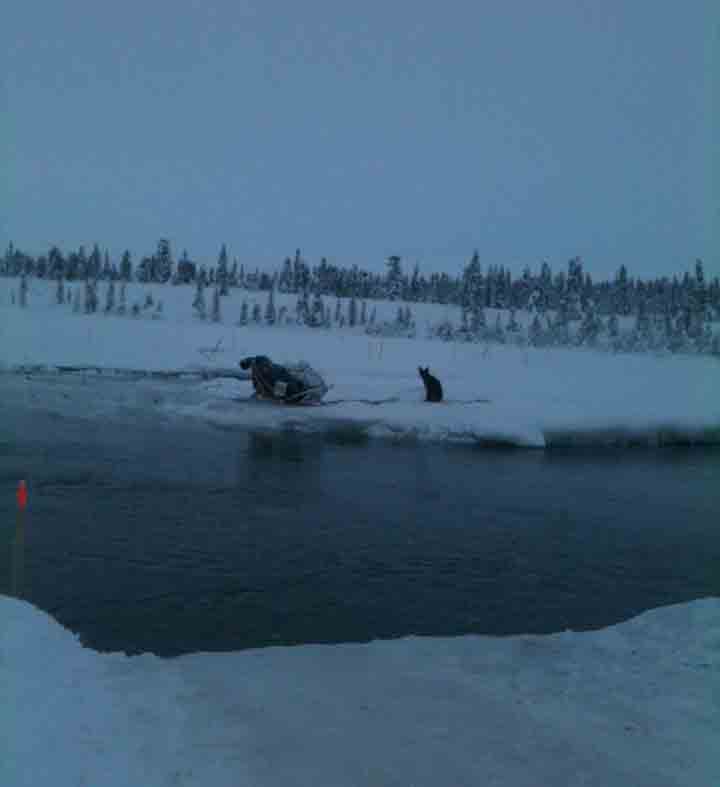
{"points": [[570, 292]]}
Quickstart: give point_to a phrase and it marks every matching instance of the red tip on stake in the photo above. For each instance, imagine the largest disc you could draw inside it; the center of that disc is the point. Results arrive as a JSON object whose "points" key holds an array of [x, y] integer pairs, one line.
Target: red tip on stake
{"points": [[22, 495]]}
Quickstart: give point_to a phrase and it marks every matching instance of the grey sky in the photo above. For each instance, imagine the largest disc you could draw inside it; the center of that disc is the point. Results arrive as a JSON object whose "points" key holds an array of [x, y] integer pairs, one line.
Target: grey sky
{"points": [[358, 130]]}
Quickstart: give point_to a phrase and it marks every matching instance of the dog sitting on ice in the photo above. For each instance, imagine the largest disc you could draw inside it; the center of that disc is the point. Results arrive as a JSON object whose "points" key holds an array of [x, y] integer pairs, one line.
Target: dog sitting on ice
{"points": [[433, 387]]}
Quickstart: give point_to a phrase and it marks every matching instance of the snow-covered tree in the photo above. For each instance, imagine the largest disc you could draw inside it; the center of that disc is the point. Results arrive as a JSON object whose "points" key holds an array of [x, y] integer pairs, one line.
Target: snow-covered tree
{"points": [[317, 317], [561, 328], [352, 312], [199, 304], [222, 271], [94, 263], [513, 329], [244, 313], [122, 306], [394, 279], [302, 309], [363, 314], [498, 331], [472, 284], [60, 290], [110, 297], [216, 315], [23, 292], [126, 266], [478, 322], [270, 309], [91, 298], [162, 263], [590, 328], [536, 332], [613, 326], [256, 313]]}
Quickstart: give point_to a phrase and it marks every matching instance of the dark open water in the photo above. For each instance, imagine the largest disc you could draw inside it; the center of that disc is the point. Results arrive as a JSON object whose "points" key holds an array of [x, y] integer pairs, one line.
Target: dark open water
{"points": [[169, 537]]}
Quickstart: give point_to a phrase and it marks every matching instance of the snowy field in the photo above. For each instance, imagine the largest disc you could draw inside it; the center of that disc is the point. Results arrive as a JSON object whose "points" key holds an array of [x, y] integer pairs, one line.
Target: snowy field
{"points": [[528, 397], [634, 705]]}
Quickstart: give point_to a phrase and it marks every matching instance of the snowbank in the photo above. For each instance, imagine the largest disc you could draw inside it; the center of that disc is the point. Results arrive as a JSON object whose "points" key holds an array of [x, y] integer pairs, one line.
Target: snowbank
{"points": [[635, 704], [528, 397]]}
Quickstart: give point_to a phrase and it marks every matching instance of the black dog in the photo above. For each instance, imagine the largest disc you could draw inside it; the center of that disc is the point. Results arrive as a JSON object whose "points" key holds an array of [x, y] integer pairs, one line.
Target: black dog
{"points": [[433, 388]]}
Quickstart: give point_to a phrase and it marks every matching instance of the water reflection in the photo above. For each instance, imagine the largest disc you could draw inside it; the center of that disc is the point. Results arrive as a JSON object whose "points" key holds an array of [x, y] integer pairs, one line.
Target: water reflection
{"points": [[17, 557], [282, 459]]}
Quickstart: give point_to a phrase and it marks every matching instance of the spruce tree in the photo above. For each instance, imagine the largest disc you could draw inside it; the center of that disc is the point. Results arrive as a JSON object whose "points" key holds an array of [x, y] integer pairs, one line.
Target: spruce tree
{"points": [[244, 313], [23, 291], [162, 262], [60, 290], [199, 302], [478, 322], [270, 315], [122, 306], [216, 316], [256, 313], [110, 297], [352, 312], [90, 296], [471, 283], [94, 263], [536, 332], [106, 270], [318, 312], [394, 280], [222, 271], [337, 310], [589, 328], [498, 332], [614, 326], [126, 267], [302, 309], [363, 314]]}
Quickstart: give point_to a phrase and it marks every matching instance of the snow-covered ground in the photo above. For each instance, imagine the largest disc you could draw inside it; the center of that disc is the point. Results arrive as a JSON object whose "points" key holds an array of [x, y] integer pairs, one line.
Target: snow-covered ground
{"points": [[633, 705], [528, 397]]}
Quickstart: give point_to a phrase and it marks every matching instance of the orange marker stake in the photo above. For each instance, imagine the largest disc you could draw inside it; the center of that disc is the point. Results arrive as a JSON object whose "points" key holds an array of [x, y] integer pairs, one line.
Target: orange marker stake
{"points": [[22, 495]]}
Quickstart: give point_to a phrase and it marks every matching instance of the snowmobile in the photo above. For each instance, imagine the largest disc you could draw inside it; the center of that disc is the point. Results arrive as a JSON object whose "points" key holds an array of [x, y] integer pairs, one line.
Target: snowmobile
{"points": [[290, 384]]}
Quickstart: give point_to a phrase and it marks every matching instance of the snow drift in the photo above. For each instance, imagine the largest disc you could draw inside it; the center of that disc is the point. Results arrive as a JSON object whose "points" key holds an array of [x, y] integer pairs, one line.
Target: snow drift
{"points": [[631, 705]]}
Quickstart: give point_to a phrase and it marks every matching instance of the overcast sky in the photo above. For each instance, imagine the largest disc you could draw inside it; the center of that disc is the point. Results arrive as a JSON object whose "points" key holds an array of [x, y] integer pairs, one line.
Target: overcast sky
{"points": [[526, 130]]}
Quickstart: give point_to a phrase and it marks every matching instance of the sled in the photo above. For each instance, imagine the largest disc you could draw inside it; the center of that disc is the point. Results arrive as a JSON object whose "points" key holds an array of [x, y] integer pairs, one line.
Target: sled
{"points": [[314, 387]]}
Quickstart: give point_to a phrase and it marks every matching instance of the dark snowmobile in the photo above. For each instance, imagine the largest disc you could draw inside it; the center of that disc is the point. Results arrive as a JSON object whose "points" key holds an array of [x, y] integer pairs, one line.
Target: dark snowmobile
{"points": [[292, 384]]}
